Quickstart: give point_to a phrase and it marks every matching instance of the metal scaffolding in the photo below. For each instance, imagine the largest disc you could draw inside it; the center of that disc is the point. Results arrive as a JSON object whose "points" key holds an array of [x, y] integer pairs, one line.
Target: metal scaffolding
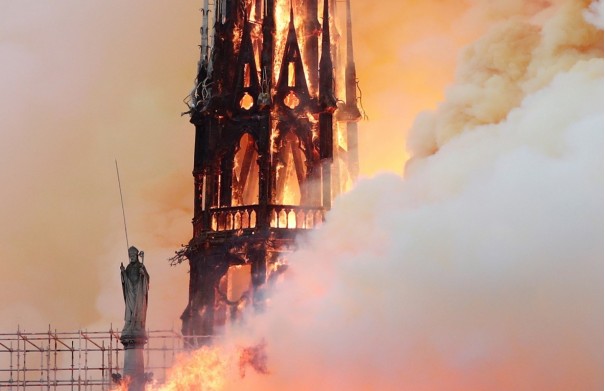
{"points": [[81, 360]]}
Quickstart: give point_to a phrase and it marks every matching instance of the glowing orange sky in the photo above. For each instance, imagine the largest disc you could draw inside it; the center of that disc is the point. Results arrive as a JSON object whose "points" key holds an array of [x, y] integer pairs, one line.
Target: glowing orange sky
{"points": [[87, 82], [84, 83]]}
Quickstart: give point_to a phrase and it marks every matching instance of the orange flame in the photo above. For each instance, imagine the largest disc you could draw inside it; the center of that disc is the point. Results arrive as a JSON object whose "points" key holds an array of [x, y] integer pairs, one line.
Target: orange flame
{"points": [[204, 369], [210, 369], [282, 19], [123, 385]]}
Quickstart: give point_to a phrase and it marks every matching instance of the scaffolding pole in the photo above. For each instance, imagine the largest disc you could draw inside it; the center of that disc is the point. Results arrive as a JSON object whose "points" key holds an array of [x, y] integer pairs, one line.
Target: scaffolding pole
{"points": [[81, 360]]}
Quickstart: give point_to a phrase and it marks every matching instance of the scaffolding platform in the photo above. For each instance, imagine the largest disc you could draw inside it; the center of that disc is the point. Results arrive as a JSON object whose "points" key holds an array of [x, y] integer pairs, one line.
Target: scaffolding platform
{"points": [[82, 360]]}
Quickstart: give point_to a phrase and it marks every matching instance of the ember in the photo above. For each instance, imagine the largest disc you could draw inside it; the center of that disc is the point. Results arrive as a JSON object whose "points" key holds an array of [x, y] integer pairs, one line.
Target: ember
{"points": [[204, 369]]}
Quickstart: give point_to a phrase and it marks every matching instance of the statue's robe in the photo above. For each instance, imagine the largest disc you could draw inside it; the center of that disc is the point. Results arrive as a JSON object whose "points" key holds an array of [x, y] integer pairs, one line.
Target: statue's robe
{"points": [[135, 286]]}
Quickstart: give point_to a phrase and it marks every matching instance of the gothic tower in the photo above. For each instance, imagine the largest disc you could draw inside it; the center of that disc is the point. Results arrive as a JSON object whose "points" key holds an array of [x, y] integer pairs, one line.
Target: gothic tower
{"points": [[270, 154]]}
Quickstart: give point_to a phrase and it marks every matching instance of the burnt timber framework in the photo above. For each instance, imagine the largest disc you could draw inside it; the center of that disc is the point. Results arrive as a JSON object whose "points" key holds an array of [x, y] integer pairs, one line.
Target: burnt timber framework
{"points": [[273, 144]]}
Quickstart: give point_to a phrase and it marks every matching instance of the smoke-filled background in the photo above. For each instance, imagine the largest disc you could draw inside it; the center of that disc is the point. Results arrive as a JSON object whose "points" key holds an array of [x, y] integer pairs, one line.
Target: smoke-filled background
{"points": [[482, 269], [84, 83]]}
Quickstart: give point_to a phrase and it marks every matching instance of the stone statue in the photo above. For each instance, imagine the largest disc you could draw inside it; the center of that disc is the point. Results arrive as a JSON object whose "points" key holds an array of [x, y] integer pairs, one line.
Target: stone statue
{"points": [[135, 286]]}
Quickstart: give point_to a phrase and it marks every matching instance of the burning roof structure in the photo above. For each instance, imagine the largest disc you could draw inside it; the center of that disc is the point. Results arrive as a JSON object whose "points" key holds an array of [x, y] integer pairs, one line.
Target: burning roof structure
{"points": [[275, 113]]}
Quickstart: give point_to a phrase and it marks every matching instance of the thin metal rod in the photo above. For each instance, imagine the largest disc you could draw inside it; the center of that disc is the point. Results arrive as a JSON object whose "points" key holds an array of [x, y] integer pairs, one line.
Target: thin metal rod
{"points": [[122, 201]]}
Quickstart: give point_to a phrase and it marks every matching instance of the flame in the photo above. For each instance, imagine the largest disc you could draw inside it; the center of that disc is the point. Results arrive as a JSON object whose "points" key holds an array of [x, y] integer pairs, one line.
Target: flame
{"points": [[277, 266], [204, 369], [290, 193], [340, 136], [311, 119], [237, 38], [290, 196], [291, 100], [282, 16], [257, 38], [212, 368], [252, 11], [123, 385], [278, 169], [274, 136], [282, 19]]}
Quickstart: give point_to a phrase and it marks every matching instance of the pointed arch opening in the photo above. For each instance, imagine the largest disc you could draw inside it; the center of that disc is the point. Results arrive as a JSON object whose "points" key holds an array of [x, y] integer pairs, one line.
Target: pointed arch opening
{"points": [[245, 172], [291, 170], [232, 294]]}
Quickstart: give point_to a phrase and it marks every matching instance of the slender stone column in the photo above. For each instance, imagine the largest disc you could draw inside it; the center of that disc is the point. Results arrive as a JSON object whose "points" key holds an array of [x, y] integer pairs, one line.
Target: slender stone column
{"points": [[134, 364]]}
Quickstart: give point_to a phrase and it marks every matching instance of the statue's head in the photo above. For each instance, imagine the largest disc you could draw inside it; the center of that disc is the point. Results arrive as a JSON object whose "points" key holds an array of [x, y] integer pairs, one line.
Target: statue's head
{"points": [[133, 254]]}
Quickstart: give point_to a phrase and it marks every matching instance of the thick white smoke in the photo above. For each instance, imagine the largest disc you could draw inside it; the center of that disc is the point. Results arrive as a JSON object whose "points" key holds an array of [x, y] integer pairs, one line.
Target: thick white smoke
{"points": [[594, 14], [482, 269]]}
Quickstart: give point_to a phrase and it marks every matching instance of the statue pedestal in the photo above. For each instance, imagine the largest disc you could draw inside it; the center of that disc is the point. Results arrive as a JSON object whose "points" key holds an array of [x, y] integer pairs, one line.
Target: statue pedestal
{"points": [[134, 364]]}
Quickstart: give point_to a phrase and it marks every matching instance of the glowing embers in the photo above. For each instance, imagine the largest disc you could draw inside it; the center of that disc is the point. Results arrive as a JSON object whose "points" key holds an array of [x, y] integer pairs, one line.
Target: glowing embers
{"points": [[291, 100], [246, 102]]}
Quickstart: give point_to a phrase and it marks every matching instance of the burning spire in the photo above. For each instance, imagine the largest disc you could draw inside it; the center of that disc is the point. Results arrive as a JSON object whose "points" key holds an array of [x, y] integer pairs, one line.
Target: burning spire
{"points": [[248, 211]]}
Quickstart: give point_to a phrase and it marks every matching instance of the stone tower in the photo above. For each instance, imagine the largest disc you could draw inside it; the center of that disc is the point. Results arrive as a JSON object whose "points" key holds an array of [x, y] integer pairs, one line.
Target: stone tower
{"points": [[272, 146]]}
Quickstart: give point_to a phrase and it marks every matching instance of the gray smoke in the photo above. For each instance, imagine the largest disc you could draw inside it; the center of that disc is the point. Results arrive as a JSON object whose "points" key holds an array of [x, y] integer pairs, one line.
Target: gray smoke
{"points": [[482, 269]]}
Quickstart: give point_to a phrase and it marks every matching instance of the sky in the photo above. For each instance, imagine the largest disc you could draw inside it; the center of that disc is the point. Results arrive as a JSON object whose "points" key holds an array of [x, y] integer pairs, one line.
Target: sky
{"points": [[86, 83], [481, 269]]}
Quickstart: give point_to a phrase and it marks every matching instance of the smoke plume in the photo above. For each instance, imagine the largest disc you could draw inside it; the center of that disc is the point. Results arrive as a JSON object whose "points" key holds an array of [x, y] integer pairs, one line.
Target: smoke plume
{"points": [[482, 269]]}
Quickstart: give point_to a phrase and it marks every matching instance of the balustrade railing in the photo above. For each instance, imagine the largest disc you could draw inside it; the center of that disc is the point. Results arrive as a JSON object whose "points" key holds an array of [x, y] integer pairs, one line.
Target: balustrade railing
{"points": [[233, 218], [246, 217], [295, 217]]}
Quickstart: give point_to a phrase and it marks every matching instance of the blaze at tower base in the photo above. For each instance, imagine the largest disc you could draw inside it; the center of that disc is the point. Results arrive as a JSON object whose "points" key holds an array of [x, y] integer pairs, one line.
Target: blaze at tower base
{"points": [[273, 146]]}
